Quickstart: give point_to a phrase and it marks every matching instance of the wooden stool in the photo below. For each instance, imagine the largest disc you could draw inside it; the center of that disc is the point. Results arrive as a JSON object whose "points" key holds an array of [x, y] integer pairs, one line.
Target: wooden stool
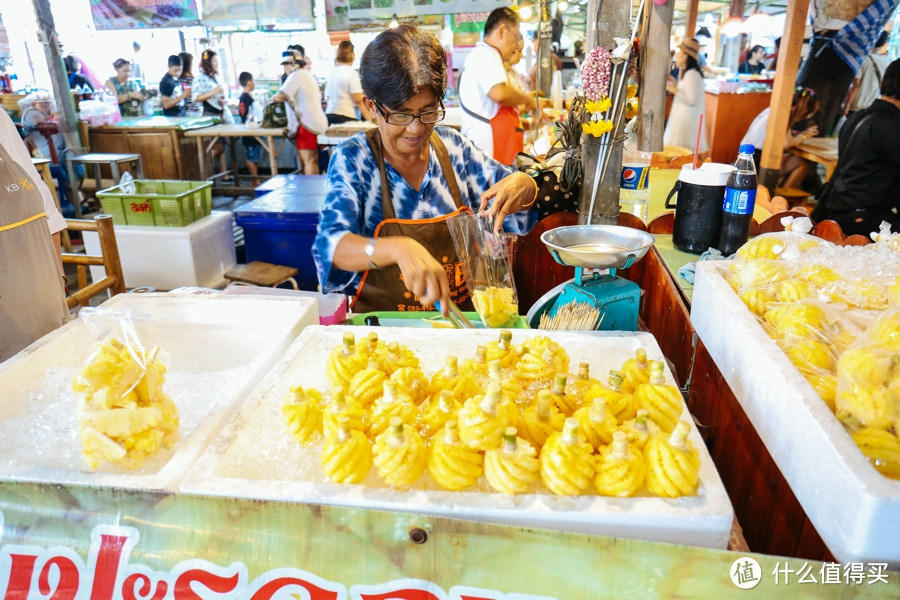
{"points": [[262, 274], [794, 196]]}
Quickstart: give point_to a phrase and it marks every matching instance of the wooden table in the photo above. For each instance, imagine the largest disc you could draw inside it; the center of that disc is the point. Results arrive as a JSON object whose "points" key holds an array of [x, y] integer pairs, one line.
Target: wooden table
{"points": [[265, 136], [820, 150]]}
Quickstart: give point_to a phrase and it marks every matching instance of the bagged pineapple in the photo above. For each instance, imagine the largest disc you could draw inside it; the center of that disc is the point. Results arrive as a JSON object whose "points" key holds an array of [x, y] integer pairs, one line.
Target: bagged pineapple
{"points": [[124, 414], [487, 265]]}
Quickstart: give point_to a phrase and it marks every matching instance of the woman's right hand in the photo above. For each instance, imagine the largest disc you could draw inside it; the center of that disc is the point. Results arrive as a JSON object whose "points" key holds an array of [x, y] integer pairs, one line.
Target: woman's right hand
{"points": [[219, 89], [422, 274]]}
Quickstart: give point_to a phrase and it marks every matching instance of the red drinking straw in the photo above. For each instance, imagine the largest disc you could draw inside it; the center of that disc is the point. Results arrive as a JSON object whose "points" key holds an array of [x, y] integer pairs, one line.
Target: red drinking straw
{"points": [[697, 143]]}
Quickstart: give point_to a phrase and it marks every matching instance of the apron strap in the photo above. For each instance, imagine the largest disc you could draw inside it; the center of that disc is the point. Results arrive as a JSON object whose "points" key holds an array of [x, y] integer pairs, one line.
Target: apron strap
{"points": [[40, 215], [373, 136]]}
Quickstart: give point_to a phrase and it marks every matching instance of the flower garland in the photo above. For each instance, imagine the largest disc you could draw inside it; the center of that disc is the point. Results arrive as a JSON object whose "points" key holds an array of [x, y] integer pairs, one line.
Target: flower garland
{"points": [[595, 77]]}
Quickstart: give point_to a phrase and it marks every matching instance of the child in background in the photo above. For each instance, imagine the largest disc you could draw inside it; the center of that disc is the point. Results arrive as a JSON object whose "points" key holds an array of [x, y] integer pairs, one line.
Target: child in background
{"points": [[253, 148]]}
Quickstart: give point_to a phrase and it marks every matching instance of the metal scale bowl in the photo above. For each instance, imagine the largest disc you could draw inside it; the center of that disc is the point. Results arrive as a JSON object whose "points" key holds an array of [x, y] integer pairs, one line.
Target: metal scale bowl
{"points": [[595, 247]]}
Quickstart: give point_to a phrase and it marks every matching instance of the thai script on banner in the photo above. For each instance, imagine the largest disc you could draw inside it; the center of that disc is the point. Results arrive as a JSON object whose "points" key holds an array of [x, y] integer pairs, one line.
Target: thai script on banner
{"points": [[108, 573], [137, 14]]}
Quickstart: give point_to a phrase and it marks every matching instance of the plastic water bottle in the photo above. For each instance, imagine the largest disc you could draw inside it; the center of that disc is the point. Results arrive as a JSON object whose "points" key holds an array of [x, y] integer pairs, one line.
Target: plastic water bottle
{"points": [[740, 198], [634, 186]]}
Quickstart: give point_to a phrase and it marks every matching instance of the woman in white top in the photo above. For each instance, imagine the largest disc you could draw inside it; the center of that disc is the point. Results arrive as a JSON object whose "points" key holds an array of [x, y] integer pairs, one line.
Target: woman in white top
{"points": [[343, 91], [301, 92], [689, 103], [210, 94]]}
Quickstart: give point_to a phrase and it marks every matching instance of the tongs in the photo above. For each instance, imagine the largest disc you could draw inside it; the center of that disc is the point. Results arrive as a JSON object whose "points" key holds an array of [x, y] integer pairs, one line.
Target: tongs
{"points": [[456, 316]]}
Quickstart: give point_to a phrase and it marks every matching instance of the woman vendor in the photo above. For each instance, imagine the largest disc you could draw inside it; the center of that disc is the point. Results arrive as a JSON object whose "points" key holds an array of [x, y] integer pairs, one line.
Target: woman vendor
{"points": [[382, 232], [128, 93]]}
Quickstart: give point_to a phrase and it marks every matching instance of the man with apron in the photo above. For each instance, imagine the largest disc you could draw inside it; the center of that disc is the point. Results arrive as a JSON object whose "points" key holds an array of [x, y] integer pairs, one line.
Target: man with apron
{"points": [[32, 293], [490, 117]]}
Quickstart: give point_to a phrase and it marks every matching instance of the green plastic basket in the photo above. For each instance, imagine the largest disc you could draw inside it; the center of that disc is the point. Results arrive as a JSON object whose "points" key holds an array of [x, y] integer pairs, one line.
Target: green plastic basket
{"points": [[158, 202]]}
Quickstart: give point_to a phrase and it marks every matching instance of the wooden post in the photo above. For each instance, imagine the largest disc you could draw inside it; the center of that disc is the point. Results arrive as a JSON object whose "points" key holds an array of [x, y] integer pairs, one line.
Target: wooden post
{"points": [[655, 58], [68, 120], [782, 93], [605, 21], [690, 25]]}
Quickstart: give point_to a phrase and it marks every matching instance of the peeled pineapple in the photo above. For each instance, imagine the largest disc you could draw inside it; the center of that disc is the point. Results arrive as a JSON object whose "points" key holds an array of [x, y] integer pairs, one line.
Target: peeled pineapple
{"points": [[538, 422], [342, 405], [618, 403], [792, 290], [397, 356], [367, 385], [868, 391], [477, 366], [399, 455], [567, 462], [450, 378], [124, 414], [344, 362], [580, 385], [371, 346], [564, 402], [451, 463], [797, 320], [496, 306], [482, 419], [513, 467], [635, 371], [673, 464], [662, 402], [639, 429], [811, 355], [412, 381], [758, 299], [763, 246], [882, 448], [302, 413], [437, 412], [347, 455], [620, 468], [596, 423], [393, 403], [509, 387], [502, 350]]}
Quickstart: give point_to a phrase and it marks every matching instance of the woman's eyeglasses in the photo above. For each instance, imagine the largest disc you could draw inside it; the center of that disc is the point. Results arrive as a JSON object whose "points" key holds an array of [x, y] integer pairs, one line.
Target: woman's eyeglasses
{"points": [[402, 119]]}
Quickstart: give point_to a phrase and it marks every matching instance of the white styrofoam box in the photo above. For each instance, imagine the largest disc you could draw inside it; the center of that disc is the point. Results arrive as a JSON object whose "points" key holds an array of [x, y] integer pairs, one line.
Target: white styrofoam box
{"points": [[218, 348], [854, 508], [166, 258], [254, 455]]}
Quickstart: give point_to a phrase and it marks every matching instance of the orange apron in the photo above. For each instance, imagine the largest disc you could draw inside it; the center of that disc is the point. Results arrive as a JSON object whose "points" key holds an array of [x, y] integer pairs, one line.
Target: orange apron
{"points": [[383, 289], [32, 301], [509, 138]]}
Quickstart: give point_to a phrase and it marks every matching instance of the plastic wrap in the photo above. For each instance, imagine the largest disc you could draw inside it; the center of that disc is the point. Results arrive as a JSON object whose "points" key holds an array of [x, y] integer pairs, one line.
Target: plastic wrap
{"points": [[487, 264], [124, 414]]}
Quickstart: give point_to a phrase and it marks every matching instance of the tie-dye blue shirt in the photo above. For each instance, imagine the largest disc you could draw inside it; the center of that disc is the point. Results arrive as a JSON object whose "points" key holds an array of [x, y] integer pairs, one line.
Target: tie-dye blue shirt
{"points": [[354, 185]]}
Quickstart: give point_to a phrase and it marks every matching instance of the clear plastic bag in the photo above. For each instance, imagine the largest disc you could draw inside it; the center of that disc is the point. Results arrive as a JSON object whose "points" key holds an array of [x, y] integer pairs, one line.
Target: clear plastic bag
{"points": [[123, 412], [487, 264]]}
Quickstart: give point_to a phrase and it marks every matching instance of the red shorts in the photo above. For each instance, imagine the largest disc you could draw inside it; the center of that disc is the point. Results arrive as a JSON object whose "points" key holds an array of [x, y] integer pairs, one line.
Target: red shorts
{"points": [[306, 139]]}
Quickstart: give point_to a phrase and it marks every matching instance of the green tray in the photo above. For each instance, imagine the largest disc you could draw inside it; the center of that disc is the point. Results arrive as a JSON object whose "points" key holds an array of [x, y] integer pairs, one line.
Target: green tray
{"points": [[415, 319]]}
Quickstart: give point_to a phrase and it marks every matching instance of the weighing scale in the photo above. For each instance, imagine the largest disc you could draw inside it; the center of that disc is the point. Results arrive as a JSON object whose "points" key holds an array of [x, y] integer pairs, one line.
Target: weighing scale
{"points": [[602, 247]]}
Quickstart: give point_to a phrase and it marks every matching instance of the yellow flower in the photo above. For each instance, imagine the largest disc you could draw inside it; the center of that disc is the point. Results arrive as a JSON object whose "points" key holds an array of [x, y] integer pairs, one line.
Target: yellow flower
{"points": [[631, 109], [597, 128], [597, 106], [631, 90]]}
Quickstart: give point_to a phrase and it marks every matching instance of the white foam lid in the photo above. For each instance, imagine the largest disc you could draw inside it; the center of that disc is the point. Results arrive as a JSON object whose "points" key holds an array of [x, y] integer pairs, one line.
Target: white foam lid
{"points": [[713, 174]]}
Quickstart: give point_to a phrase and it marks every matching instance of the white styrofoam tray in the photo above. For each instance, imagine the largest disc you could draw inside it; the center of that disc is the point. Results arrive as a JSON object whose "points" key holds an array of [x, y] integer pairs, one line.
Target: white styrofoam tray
{"points": [[854, 508], [218, 347], [254, 455]]}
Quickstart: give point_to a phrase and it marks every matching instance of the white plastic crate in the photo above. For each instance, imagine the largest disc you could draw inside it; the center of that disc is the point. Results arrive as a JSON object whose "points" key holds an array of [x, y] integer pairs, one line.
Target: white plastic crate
{"points": [[854, 508], [254, 456], [218, 348]]}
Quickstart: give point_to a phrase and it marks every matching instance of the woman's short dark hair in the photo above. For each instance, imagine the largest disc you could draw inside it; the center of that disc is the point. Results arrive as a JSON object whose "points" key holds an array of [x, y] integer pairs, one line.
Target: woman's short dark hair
{"points": [[187, 59], [206, 62], [692, 63], [119, 63], [890, 82], [400, 63], [175, 61], [344, 52]]}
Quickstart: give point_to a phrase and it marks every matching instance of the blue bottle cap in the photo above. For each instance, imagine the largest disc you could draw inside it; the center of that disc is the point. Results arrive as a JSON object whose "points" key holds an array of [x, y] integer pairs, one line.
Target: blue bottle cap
{"points": [[746, 149]]}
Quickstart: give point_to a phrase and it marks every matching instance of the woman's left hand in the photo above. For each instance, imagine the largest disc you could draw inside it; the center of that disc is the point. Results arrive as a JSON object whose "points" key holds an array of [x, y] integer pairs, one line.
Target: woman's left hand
{"points": [[510, 195]]}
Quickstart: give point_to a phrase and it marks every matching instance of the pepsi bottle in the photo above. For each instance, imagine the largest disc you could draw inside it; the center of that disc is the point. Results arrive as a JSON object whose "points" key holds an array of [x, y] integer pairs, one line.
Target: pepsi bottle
{"points": [[740, 197]]}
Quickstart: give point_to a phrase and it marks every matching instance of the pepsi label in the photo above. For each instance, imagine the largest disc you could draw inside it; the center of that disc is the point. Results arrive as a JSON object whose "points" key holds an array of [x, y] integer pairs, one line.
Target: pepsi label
{"points": [[739, 202], [634, 177]]}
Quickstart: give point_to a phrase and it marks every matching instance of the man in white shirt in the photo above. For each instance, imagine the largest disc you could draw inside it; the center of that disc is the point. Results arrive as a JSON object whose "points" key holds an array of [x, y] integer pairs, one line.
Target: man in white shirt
{"points": [[302, 91], [489, 102]]}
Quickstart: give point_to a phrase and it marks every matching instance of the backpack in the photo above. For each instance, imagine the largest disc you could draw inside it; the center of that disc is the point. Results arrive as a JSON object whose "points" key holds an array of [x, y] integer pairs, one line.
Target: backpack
{"points": [[275, 116]]}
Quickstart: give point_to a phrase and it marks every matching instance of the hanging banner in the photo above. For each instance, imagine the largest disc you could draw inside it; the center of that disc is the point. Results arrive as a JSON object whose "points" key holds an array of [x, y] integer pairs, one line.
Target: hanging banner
{"points": [[138, 14], [385, 9], [263, 13]]}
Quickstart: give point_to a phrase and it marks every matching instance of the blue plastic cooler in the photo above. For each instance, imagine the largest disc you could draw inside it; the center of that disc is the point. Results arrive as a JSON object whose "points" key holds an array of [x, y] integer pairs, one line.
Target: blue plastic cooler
{"points": [[280, 228], [308, 183]]}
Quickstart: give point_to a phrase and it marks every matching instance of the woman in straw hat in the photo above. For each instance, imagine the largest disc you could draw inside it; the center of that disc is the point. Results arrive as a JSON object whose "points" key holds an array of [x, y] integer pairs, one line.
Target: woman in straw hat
{"points": [[689, 104]]}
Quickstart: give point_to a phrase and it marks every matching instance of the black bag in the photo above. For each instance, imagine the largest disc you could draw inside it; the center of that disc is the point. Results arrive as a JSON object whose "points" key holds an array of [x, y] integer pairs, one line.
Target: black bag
{"points": [[275, 116]]}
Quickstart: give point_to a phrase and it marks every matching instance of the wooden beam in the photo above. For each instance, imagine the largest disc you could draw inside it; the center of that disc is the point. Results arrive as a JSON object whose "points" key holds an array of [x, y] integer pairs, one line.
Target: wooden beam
{"points": [[783, 92], [655, 57], [690, 25]]}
